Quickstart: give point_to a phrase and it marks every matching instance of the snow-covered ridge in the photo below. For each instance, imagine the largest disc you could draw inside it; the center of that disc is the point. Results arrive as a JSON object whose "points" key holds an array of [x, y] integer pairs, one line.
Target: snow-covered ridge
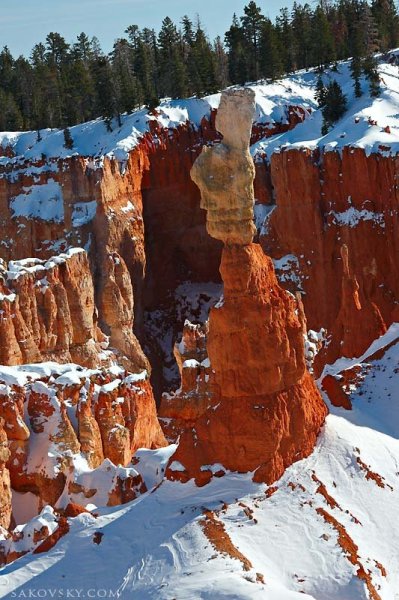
{"points": [[17, 268], [330, 516], [92, 139], [369, 123], [67, 374]]}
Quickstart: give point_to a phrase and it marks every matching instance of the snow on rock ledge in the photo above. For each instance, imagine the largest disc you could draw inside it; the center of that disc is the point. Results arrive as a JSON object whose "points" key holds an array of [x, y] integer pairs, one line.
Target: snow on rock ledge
{"points": [[70, 433]]}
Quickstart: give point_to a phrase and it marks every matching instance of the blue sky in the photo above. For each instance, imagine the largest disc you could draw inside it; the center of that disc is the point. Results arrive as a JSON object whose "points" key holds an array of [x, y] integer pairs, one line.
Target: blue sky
{"points": [[25, 22]]}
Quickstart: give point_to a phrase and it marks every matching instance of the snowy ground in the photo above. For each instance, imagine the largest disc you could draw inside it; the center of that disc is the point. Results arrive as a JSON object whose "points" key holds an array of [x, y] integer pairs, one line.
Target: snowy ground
{"points": [[331, 517], [363, 125]]}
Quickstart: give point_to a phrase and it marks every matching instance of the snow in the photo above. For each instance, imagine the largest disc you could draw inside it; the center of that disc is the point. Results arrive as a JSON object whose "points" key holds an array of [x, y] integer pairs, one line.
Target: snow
{"points": [[83, 213], [375, 396], [191, 363], [101, 480], [176, 466], [44, 202], [16, 268], [8, 298], [64, 373], [287, 270], [262, 213], [356, 128], [135, 377], [154, 547], [352, 216], [92, 139], [111, 386]]}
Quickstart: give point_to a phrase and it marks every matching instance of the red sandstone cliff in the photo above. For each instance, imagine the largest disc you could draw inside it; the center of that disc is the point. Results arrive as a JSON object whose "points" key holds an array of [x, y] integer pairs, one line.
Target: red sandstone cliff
{"points": [[48, 312], [324, 200], [269, 411]]}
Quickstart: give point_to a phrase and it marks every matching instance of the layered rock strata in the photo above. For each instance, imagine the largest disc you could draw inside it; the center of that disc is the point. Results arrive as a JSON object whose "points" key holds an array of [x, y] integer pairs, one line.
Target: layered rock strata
{"points": [[48, 312], [269, 410]]}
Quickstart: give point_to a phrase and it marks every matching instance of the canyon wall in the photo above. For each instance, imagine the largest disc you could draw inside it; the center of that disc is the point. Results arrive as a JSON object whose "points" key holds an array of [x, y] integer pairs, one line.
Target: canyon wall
{"points": [[48, 312], [144, 231], [49, 205], [334, 236]]}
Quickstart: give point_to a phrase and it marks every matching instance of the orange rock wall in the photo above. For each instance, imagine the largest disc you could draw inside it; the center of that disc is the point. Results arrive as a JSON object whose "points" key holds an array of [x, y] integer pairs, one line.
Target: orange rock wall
{"points": [[48, 312], [316, 194]]}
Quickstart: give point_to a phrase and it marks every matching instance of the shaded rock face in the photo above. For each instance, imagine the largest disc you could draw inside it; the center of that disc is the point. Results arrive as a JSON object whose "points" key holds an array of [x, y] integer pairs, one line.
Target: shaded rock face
{"points": [[359, 320], [198, 390], [325, 201], [269, 410]]}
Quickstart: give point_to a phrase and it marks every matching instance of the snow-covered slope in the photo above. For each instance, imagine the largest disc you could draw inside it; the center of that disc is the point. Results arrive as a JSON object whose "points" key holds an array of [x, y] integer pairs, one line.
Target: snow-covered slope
{"points": [[297, 90], [328, 530], [369, 123]]}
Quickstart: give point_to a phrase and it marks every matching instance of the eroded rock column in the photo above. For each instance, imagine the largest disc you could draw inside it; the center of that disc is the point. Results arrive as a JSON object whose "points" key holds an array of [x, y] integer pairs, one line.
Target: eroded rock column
{"points": [[270, 410]]}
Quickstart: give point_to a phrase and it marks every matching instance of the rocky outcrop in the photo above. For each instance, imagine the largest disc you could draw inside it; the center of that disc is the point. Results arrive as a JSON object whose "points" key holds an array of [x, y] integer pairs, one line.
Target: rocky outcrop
{"points": [[225, 172], [325, 200], [359, 320], [75, 415], [197, 390], [48, 312], [269, 410]]}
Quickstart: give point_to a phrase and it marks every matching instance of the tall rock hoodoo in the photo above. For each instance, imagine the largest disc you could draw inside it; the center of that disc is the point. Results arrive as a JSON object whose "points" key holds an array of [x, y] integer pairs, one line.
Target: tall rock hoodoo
{"points": [[268, 411]]}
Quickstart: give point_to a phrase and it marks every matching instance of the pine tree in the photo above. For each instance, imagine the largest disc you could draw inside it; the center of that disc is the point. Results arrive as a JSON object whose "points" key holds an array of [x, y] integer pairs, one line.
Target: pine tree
{"points": [[252, 23], [301, 25], [238, 59], [128, 88], [221, 64], [321, 91], [271, 65], [6, 70], [57, 49], [23, 90], [334, 105], [371, 72], [105, 92], [173, 78], [82, 49], [10, 116], [386, 18], [286, 41], [201, 64], [68, 141], [356, 71], [323, 40]]}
